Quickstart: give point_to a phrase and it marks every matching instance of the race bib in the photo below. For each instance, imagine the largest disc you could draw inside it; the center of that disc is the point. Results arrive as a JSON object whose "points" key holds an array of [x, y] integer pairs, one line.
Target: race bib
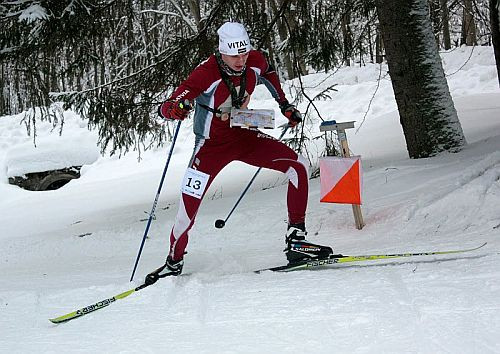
{"points": [[194, 183]]}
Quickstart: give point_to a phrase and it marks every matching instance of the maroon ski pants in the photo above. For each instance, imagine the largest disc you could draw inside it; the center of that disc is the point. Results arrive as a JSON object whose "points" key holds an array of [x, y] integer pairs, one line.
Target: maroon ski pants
{"points": [[249, 146]]}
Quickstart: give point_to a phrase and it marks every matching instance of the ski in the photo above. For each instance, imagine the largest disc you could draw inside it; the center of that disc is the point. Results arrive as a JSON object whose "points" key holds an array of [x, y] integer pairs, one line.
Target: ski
{"points": [[94, 307], [316, 263], [101, 304], [339, 258]]}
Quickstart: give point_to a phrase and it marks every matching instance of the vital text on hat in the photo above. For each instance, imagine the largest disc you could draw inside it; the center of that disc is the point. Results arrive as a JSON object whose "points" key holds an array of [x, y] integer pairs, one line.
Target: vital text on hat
{"points": [[237, 44]]}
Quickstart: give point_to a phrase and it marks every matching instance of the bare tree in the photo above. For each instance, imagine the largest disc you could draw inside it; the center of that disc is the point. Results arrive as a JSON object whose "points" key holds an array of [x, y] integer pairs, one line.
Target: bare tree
{"points": [[468, 25], [445, 24]]}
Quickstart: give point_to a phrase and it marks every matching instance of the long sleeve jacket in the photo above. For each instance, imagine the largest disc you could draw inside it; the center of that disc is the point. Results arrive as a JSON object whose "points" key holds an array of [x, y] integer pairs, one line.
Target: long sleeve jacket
{"points": [[206, 87]]}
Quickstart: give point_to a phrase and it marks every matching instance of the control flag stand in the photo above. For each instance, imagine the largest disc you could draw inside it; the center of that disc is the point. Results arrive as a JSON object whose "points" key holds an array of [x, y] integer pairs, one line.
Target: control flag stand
{"points": [[342, 137]]}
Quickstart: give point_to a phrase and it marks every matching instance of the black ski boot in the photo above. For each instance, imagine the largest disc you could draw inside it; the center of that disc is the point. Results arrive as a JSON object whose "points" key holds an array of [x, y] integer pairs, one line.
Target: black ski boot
{"points": [[299, 250], [170, 267]]}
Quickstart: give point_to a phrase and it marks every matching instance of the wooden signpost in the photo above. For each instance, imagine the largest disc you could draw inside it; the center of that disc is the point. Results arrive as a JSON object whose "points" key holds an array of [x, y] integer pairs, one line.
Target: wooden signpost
{"points": [[342, 137]]}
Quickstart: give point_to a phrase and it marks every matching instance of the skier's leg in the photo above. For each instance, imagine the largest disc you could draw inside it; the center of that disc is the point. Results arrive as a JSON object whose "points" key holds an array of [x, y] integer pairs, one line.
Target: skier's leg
{"points": [[265, 151], [270, 153], [206, 161]]}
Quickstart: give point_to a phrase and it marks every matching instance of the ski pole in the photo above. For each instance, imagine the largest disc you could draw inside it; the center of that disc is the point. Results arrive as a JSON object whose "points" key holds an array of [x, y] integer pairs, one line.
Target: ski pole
{"points": [[219, 223], [158, 193]]}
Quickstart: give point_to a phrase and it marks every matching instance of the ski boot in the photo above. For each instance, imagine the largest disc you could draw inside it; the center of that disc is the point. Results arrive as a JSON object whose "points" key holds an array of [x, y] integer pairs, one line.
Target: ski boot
{"points": [[298, 250], [170, 267]]}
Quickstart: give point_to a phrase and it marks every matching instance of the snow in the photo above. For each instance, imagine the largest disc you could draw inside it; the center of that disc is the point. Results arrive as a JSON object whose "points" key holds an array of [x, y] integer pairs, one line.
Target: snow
{"points": [[33, 13], [26, 158], [50, 150], [65, 249]]}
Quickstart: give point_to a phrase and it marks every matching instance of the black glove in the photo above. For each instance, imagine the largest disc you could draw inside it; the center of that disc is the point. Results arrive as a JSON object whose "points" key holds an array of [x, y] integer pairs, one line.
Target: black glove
{"points": [[292, 113]]}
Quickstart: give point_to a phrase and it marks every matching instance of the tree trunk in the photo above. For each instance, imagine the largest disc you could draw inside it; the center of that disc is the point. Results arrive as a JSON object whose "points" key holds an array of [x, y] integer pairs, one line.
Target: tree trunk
{"points": [[194, 9], [427, 113], [445, 24], [298, 55], [495, 32], [5, 85], [370, 43], [435, 15], [379, 47], [283, 35], [346, 35], [468, 25]]}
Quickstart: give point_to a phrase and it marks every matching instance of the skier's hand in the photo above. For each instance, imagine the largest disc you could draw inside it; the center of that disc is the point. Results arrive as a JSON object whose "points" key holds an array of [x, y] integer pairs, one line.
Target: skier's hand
{"points": [[292, 113], [177, 110]]}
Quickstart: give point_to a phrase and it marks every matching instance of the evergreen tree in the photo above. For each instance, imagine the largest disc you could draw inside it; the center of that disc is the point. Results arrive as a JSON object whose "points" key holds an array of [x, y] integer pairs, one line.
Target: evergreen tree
{"points": [[115, 61]]}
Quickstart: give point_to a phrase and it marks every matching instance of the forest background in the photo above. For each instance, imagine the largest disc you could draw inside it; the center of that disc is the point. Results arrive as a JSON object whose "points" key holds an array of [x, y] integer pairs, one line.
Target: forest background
{"points": [[113, 61]]}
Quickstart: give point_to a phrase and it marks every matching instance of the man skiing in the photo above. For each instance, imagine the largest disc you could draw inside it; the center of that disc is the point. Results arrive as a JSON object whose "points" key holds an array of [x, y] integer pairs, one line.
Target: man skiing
{"points": [[227, 79]]}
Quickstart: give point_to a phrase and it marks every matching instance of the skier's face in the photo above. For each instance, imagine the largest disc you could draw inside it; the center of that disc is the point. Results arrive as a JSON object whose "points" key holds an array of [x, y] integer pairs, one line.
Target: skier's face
{"points": [[235, 62]]}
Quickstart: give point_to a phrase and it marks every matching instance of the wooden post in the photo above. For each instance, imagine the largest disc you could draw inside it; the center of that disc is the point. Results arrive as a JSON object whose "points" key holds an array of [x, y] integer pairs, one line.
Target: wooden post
{"points": [[340, 128]]}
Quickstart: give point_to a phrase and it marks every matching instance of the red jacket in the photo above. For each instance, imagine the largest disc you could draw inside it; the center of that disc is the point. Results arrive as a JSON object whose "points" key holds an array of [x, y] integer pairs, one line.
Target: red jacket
{"points": [[206, 87]]}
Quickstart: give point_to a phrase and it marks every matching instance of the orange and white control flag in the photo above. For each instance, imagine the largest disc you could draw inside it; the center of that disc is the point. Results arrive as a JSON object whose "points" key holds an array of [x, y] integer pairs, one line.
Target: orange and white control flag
{"points": [[341, 179]]}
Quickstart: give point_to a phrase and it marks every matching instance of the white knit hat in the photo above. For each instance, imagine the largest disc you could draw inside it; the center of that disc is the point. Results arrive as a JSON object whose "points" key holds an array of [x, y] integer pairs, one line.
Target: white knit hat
{"points": [[233, 39]]}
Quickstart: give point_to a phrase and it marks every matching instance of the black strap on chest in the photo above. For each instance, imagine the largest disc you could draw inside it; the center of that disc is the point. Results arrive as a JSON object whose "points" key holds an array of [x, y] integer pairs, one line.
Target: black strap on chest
{"points": [[237, 98]]}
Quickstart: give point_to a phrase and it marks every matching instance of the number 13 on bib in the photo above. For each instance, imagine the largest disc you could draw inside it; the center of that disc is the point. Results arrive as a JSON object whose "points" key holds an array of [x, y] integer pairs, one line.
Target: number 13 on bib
{"points": [[194, 183]]}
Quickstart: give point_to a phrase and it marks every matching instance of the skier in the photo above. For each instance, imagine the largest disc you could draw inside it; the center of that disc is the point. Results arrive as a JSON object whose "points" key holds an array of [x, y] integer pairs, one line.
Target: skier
{"points": [[227, 79]]}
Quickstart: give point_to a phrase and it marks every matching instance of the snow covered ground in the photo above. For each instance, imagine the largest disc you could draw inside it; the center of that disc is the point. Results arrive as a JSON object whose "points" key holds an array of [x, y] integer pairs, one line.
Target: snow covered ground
{"points": [[62, 250]]}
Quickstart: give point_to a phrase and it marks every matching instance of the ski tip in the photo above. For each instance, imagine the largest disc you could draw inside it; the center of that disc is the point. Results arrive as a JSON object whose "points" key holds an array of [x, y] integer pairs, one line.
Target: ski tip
{"points": [[484, 244], [61, 319], [478, 247], [66, 318]]}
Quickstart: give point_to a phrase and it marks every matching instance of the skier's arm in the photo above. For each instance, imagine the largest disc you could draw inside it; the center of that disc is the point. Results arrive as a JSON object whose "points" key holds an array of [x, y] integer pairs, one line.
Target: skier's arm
{"points": [[269, 77], [189, 89]]}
